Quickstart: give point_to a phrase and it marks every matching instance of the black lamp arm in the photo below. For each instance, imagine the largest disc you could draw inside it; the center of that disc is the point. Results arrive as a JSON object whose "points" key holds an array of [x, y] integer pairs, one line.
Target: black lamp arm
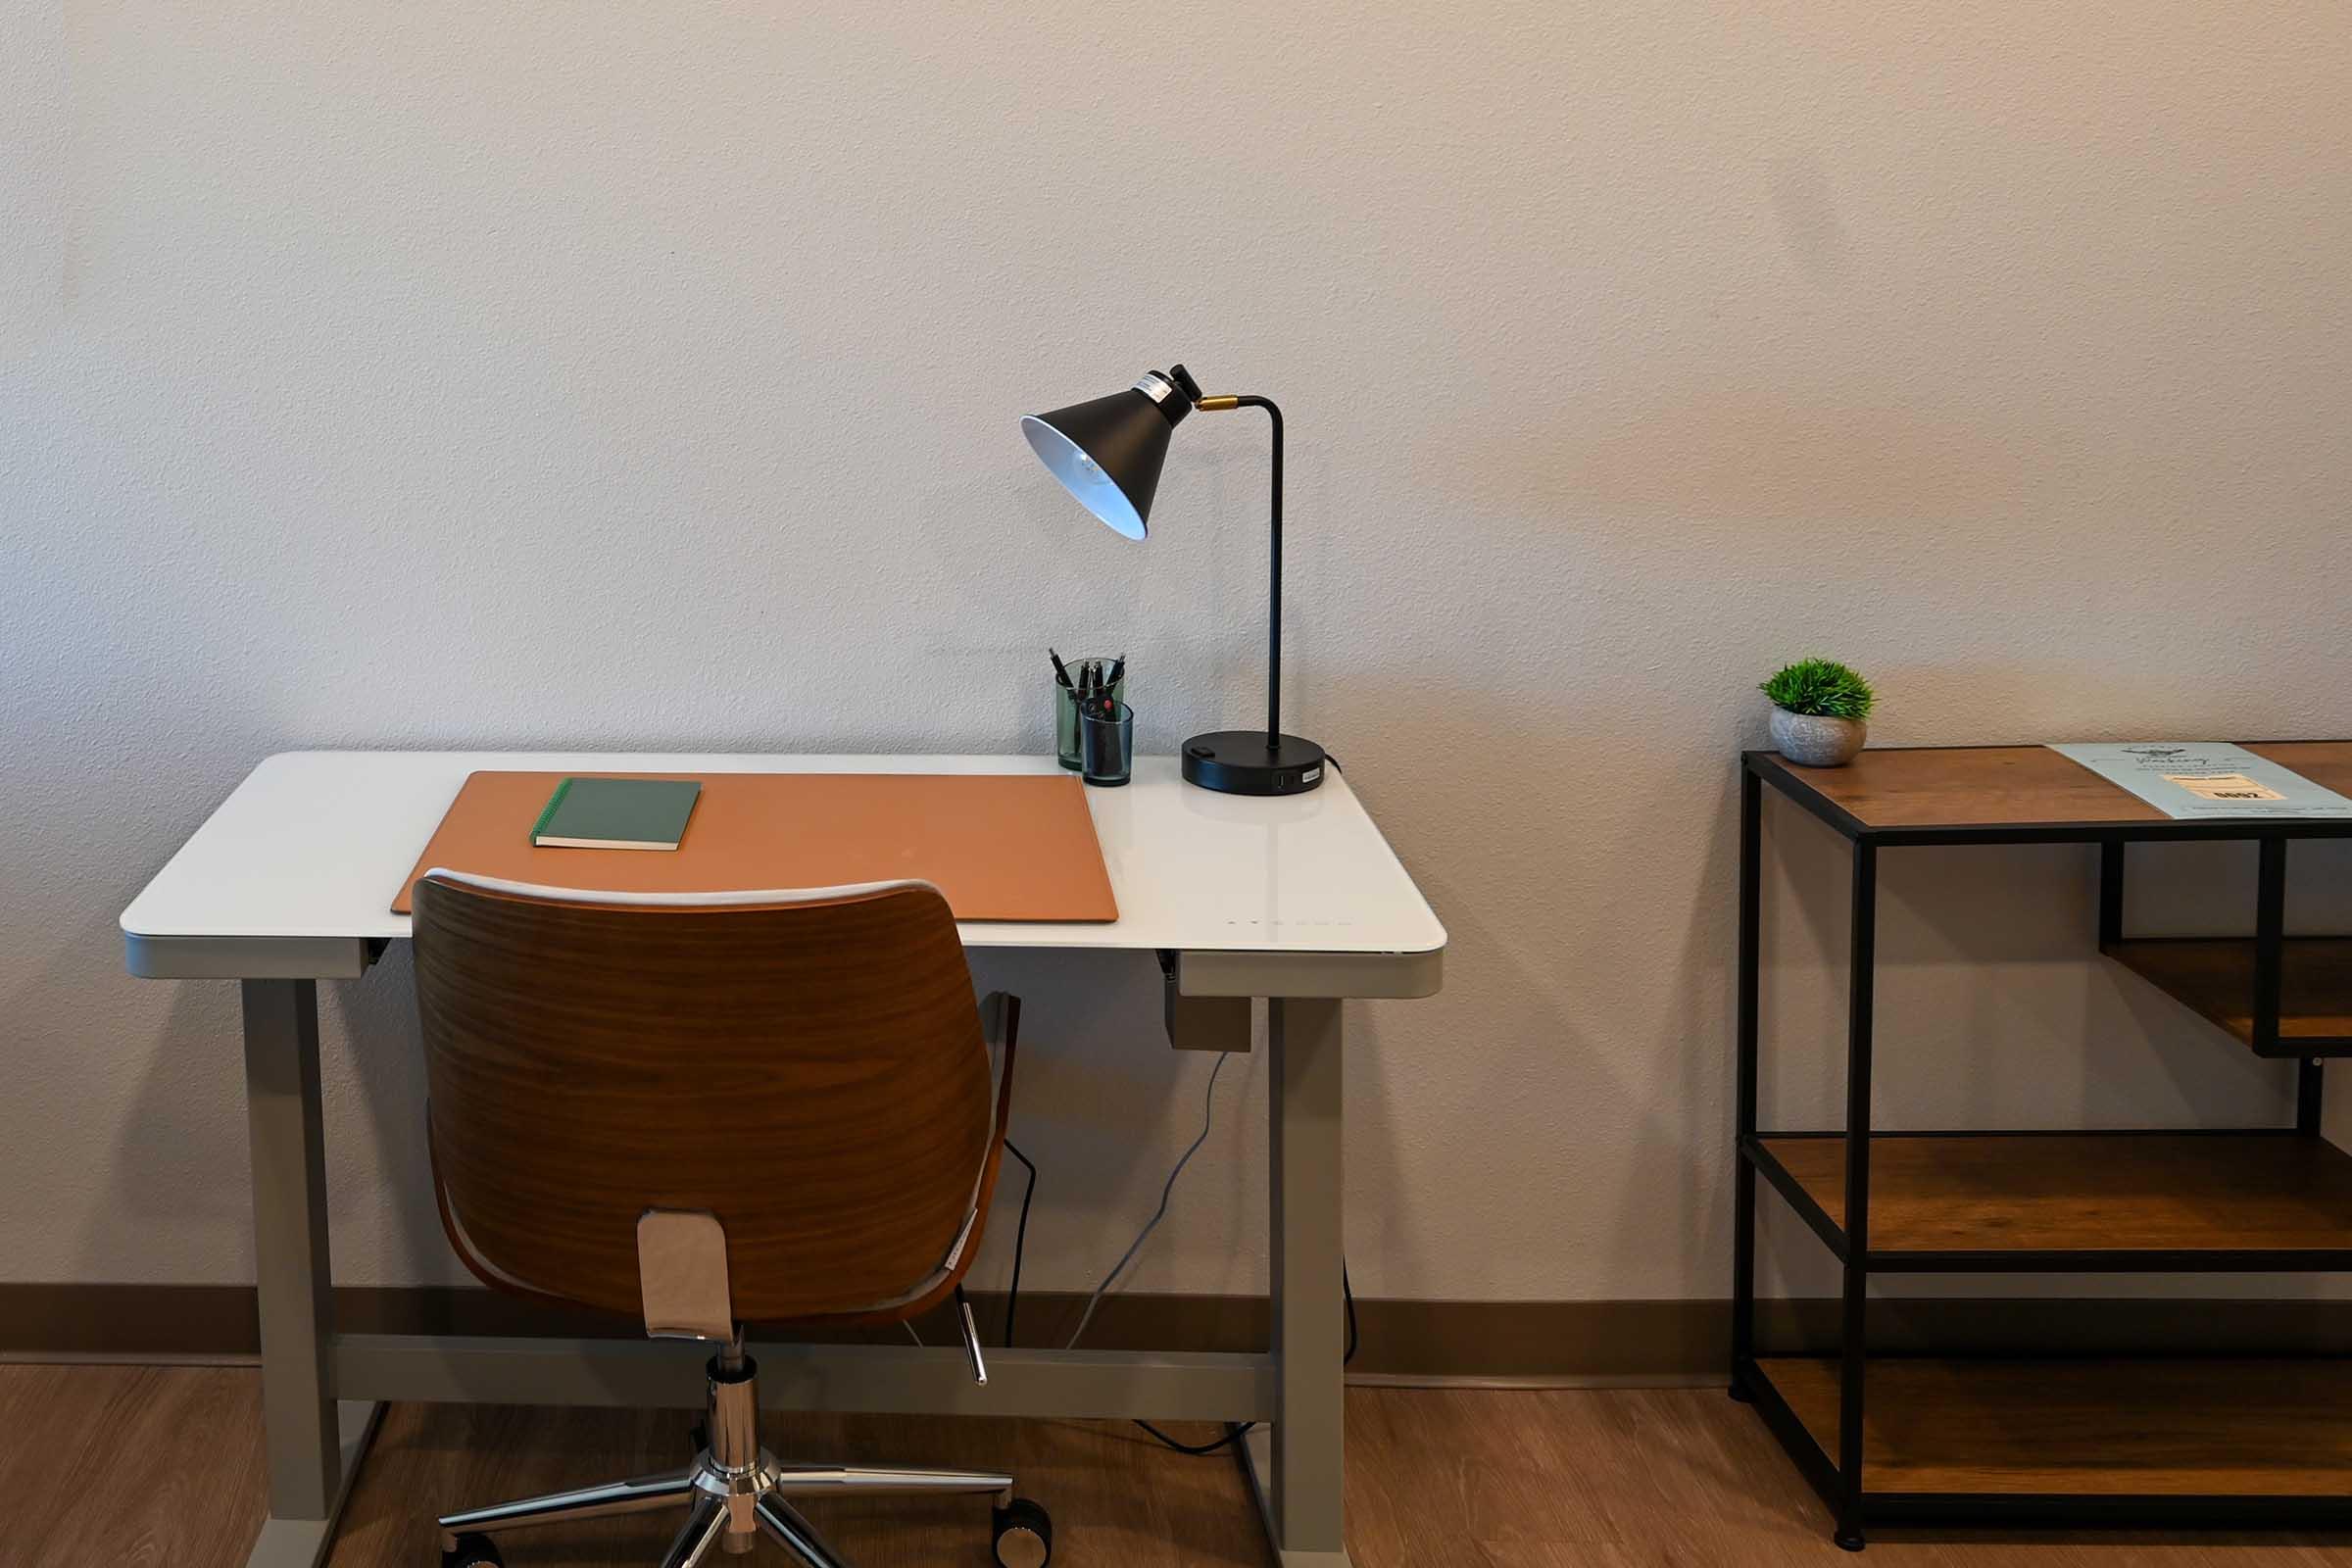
{"points": [[1274, 576]]}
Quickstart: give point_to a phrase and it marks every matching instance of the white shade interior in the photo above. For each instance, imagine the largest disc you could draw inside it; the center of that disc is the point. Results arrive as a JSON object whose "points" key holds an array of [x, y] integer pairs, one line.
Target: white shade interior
{"points": [[1083, 477]]}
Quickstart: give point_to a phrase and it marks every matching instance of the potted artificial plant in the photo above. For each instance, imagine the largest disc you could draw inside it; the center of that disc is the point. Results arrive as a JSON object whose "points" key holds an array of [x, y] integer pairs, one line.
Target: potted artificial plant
{"points": [[1818, 710]]}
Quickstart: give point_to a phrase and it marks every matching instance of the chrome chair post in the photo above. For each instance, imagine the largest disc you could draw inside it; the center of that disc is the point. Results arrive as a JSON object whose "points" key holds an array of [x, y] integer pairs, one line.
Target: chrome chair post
{"points": [[733, 1416]]}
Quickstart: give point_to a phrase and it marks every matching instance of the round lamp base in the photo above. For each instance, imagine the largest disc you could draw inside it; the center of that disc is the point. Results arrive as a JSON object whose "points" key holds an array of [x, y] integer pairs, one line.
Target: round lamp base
{"points": [[1239, 761]]}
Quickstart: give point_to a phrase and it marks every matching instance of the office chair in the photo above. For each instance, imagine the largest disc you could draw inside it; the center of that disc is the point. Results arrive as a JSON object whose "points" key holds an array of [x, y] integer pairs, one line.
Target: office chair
{"points": [[711, 1110]]}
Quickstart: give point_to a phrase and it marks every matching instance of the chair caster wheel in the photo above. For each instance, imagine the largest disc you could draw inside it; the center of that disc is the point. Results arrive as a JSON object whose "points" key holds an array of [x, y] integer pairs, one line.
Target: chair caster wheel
{"points": [[1024, 1534], [473, 1551]]}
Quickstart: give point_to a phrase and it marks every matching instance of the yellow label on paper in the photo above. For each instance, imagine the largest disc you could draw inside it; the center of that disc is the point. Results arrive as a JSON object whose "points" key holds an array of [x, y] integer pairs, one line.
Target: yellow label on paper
{"points": [[2223, 787]]}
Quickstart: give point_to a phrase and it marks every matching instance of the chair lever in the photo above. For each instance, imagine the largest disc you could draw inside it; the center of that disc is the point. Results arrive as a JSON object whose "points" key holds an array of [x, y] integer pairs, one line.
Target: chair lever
{"points": [[971, 1337]]}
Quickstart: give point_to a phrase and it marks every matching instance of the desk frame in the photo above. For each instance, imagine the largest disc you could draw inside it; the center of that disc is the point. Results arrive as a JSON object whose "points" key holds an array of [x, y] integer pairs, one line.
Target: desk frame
{"points": [[322, 1390]]}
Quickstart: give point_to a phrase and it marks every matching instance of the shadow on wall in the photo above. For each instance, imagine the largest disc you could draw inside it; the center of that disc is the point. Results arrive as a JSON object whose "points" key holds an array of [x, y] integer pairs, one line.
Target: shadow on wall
{"points": [[1726, 459], [1565, 1135], [187, 1113], [1994, 1002], [1105, 1104], [374, 1054], [187, 1119], [1094, 1074]]}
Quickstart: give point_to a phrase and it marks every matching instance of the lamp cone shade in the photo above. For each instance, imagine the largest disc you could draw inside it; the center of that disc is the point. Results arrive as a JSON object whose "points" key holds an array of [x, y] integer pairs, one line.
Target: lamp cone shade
{"points": [[1108, 453]]}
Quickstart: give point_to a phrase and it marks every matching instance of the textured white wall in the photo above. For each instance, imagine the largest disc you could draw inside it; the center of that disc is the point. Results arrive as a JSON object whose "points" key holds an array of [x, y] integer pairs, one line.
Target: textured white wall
{"points": [[643, 374]]}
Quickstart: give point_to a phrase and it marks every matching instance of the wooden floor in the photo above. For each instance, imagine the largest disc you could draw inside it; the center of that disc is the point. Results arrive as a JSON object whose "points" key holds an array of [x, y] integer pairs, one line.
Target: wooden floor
{"points": [[1642, 1479]]}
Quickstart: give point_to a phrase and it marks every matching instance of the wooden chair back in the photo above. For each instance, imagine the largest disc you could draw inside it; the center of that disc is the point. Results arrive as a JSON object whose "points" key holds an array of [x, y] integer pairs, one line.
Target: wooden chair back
{"points": [[809, 1068]]}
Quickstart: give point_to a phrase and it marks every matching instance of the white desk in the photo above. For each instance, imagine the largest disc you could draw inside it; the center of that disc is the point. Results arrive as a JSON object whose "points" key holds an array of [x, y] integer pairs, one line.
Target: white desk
{"points": [[1299, 900]]}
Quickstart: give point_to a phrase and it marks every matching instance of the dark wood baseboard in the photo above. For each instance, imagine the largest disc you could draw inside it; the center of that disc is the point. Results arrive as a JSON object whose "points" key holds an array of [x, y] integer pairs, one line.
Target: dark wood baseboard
{"points": [[1472, 1341]]}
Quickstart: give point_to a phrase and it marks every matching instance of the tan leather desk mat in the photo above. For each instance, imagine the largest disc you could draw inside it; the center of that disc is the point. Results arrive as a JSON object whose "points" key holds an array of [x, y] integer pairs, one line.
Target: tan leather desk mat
{"points": [[1001, 846]]}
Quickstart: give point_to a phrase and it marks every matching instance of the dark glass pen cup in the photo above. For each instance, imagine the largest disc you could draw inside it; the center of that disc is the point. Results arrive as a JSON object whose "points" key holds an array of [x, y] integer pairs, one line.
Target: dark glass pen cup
{"points": [[1106, 743], [1066, 705]]}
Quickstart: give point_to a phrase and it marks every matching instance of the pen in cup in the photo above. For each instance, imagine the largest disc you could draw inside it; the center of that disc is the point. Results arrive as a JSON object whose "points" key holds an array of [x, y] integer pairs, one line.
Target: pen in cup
{"points": [[1081, 686]]}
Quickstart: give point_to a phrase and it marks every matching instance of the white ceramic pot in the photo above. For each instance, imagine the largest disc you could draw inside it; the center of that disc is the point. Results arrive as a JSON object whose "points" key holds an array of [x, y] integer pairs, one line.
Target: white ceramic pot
{"points": [[1816, 740]]}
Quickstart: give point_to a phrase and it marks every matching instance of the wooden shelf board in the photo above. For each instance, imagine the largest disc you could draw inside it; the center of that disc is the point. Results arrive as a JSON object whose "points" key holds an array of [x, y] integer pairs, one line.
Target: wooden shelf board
{"points": [[2214, 977], [2103, 1428], [2087, 1192], [1928, 788], [1934, 787]]}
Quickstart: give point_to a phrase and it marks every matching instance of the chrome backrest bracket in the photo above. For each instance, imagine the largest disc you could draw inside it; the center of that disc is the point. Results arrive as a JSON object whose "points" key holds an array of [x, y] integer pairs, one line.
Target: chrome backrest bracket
{"points": [[682, 1275]]}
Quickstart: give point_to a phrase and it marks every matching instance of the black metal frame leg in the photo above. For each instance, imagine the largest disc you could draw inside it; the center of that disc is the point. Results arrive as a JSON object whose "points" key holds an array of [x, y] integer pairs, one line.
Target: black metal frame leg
{"points": [[2111, 889], [1749, 990], [1856, 1344], [2270, 941]]}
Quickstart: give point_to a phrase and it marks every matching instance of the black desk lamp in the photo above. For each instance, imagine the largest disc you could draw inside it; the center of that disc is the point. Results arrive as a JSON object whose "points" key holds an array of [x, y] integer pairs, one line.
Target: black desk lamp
{"points": [[1108, 453]]}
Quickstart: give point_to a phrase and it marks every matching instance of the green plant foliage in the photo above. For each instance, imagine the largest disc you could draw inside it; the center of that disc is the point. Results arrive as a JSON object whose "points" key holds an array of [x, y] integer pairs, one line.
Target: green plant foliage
{"points": [[1822, 687]]}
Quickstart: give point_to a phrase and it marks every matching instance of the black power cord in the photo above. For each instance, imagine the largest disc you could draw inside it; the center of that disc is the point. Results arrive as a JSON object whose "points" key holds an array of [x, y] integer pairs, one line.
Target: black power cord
{"points": [[1347, 1295], [1020, 1243], [1234, 1431]]}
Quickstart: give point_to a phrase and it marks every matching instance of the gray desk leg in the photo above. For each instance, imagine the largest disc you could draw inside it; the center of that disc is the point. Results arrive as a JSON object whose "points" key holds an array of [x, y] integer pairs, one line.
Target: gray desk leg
{"points": [[311, 1443], [1299, 1467]]}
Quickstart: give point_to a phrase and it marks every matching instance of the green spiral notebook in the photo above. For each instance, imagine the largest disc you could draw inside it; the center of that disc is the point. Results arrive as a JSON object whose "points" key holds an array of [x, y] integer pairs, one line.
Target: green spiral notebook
{"points": [[616, 814]]}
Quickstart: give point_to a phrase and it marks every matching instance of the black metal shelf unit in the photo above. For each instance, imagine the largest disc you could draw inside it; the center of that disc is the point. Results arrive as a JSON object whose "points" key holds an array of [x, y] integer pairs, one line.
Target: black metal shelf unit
{"points": [[2295, 1212]]}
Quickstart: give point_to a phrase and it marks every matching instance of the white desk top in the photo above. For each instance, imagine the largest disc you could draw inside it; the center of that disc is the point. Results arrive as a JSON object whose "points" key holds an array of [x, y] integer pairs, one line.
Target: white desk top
{"points": [[314, 844]]}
